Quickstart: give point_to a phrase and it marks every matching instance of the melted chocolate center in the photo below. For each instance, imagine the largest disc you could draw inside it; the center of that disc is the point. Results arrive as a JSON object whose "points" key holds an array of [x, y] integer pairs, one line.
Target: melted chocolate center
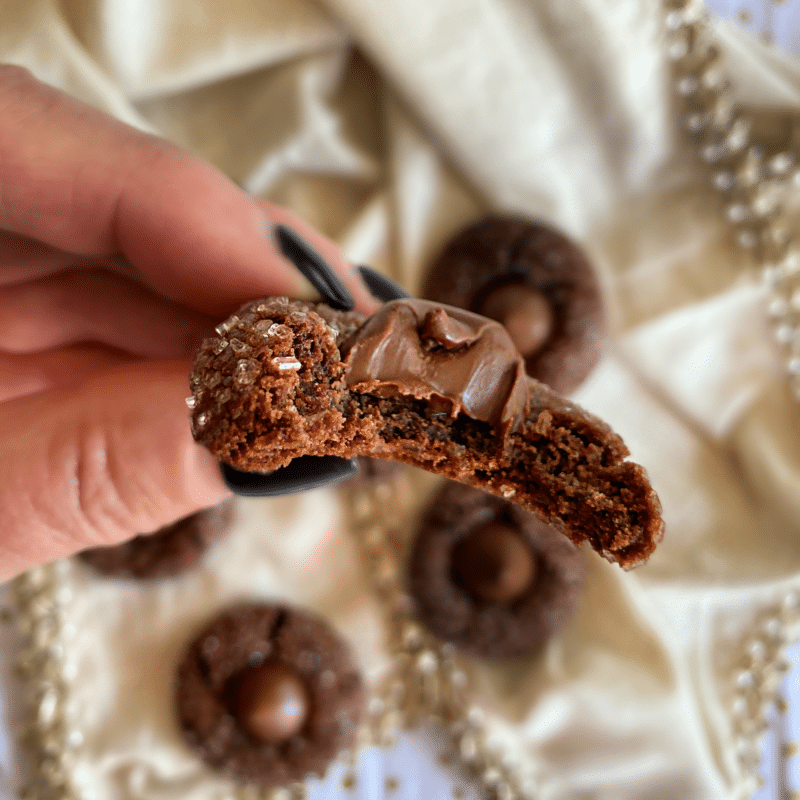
{"points": [[457, 359]]}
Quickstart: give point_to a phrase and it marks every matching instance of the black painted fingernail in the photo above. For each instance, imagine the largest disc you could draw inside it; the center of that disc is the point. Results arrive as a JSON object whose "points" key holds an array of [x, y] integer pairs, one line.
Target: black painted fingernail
{"points": [[380, 286], [315, 268], [300, 475]]}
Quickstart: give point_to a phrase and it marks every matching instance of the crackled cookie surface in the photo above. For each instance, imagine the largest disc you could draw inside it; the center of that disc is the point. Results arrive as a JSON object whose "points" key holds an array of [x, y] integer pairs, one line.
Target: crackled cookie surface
{"points": [[489, 577], [429, 385], [167, 552], [268, 694]]}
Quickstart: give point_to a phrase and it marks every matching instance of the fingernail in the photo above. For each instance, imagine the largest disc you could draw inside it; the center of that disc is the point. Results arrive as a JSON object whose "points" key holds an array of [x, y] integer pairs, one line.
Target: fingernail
{"points": [[380, 286], [301, 474], [314, 267]]}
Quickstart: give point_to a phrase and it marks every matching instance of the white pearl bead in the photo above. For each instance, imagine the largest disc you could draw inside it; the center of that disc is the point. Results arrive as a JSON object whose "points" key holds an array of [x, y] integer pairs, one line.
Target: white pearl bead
{"points": [[747, 239], [781, 163], [757, 651], [739, 707], [738, 212], [792, 601], [785, 333], [745, 679]]}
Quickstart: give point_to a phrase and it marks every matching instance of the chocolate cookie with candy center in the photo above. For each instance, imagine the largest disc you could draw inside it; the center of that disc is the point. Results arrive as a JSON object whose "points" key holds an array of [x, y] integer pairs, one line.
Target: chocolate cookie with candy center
{"points": [[268, 694], [490, 578], [536, 282], [166, 553], [432, 386]]}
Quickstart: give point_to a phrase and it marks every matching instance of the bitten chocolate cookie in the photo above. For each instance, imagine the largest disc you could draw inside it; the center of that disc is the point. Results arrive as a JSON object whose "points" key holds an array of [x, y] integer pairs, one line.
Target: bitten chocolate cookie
{"points": [[429, 385], [268, 694], [490, 578], [167, 552], [535, 281]]}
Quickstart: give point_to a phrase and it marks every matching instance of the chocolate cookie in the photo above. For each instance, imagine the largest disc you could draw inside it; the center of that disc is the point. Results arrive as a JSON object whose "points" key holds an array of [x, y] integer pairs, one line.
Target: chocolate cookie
{"points": [[167, 552], [433, 386], [268, 694], [536, 282], [490, 578]]}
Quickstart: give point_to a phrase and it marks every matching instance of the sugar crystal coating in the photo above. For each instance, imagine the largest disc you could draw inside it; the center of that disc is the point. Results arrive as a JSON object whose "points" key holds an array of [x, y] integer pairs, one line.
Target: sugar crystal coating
{"points": [[553, 457]]}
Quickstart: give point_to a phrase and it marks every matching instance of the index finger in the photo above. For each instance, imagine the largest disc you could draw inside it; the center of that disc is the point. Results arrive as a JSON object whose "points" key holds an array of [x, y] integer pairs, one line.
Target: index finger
{"points": [[84, 183]]}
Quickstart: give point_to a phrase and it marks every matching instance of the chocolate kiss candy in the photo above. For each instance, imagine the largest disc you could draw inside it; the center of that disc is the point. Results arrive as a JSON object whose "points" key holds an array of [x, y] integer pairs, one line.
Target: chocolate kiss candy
{"points": [[525, 313], [271, 702], [494, 563]]}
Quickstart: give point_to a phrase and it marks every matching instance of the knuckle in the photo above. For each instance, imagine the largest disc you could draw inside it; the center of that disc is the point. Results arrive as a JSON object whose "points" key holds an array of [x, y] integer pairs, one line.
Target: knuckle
{"points": [[101, 501]]}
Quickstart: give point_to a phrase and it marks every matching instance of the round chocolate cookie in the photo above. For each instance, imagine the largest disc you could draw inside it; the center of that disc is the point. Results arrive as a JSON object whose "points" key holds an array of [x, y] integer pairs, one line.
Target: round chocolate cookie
{"points": [[490, 578], [535, 281], [169, 551], [268, 694]]}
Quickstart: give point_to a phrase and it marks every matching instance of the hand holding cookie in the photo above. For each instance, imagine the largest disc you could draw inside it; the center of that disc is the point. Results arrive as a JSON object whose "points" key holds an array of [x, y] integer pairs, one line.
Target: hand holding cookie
{"points": [[118, 254]]}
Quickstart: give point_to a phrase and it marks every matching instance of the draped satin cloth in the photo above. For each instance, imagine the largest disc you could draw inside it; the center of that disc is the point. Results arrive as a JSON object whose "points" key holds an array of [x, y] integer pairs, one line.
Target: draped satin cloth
{"points": [[389, 125]]}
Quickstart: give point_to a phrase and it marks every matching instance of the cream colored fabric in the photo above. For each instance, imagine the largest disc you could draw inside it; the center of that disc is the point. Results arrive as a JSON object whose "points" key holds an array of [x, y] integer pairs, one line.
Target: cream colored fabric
{"points": [[389, 124]]}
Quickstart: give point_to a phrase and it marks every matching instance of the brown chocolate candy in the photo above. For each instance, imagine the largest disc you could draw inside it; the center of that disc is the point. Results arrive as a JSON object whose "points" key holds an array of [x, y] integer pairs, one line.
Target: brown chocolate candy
{"points": [[268, 694], [524, 312], [271, 702], [534, 280], [490, 578], [494, 563]]}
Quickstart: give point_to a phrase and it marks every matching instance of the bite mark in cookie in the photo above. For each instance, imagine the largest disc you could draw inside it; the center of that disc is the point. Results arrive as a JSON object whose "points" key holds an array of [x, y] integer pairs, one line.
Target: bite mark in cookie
{"points": [[428, 385]]}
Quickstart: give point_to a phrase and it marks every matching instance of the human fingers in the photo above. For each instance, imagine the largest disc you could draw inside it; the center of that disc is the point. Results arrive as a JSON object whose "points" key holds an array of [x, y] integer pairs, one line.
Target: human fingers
{"points": [[62, 367], [82, 182], [97, 464], [97, 306], [23, 259]]}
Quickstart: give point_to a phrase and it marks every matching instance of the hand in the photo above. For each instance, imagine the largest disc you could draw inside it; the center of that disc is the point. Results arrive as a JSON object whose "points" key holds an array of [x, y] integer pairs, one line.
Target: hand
{"points": [[118, 253]]}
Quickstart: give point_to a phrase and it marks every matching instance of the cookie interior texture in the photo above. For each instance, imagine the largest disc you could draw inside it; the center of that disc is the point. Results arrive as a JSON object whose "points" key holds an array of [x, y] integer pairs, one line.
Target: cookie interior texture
{"points": [[274, 386], [248, 636]]}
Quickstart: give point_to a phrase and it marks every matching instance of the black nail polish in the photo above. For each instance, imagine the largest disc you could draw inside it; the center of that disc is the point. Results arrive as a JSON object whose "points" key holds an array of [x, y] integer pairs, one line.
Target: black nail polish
{"points": [[380, 286], [300, 475], [315, 268]]}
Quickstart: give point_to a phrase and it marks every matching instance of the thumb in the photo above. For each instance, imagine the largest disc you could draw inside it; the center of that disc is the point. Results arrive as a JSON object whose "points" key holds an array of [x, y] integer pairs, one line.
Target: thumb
{"points": [[98, 464]]}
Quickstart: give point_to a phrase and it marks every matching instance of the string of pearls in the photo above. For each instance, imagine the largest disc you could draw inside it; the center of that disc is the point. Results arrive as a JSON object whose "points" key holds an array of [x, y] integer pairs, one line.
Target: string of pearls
{"points": [[757, 682], [428, 682], [46, 671], [756, 181]]}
